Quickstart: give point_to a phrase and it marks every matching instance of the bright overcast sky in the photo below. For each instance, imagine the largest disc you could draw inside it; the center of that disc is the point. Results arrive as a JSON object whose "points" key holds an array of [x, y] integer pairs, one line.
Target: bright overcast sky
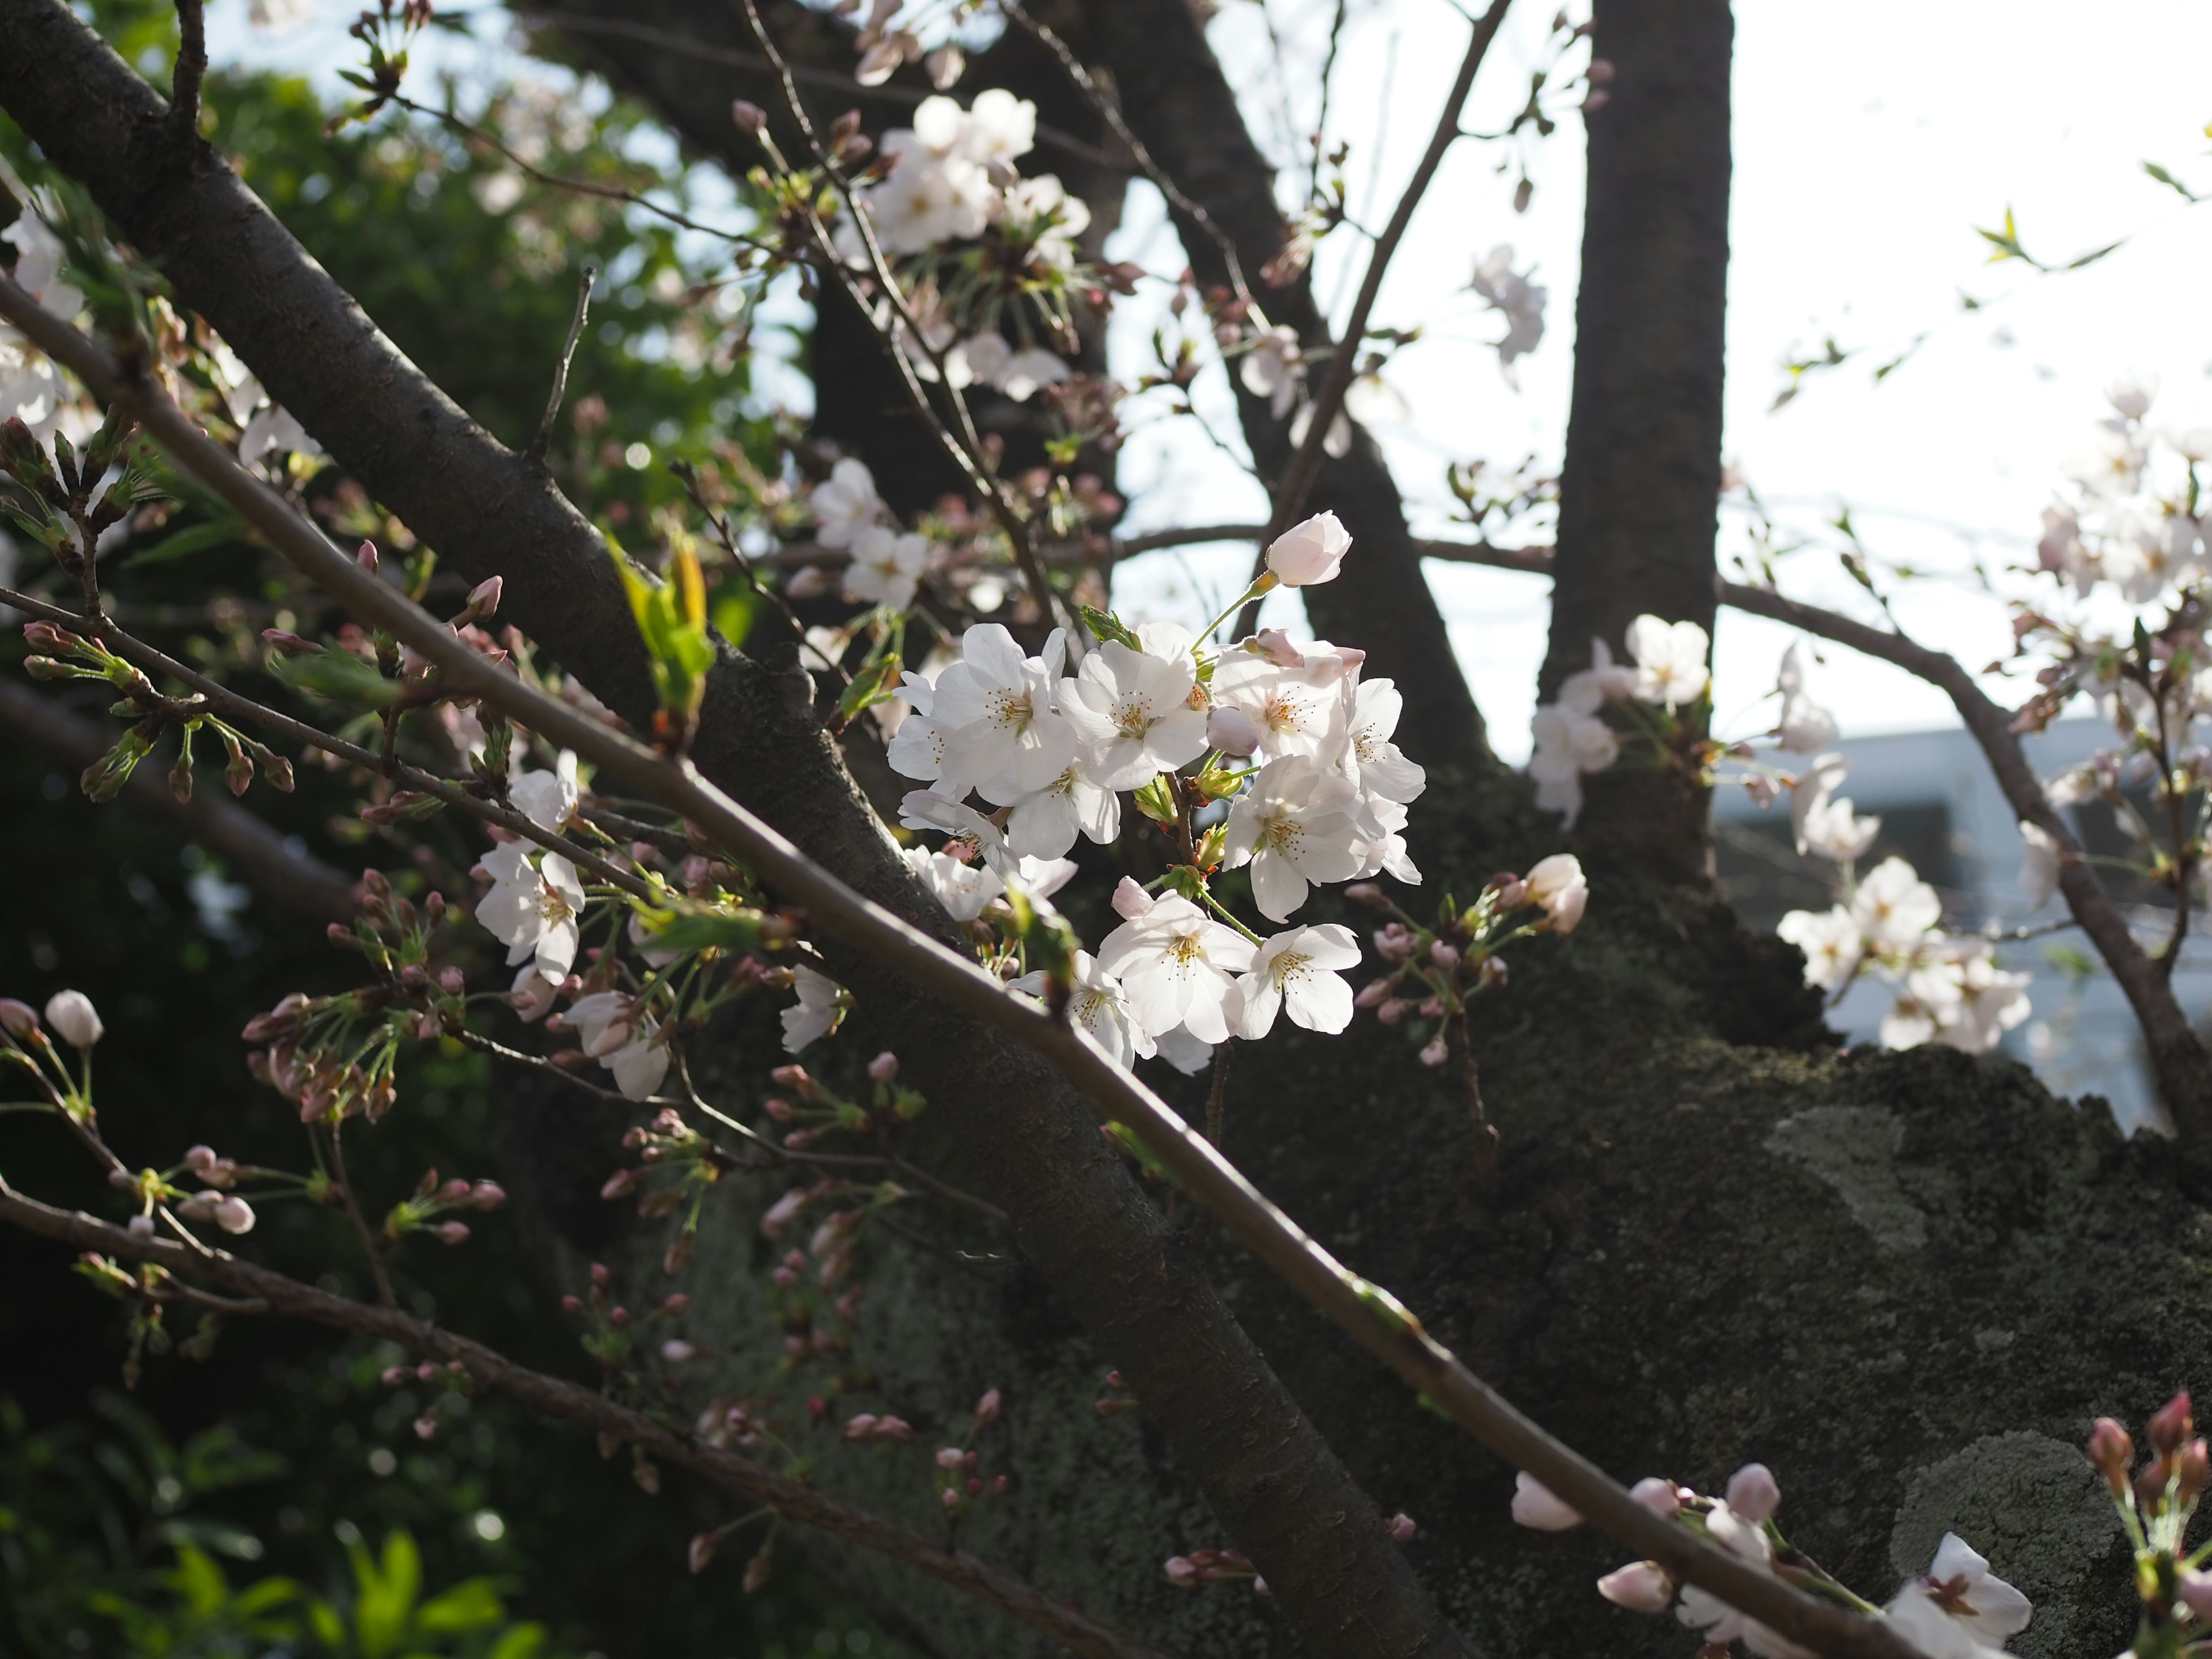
{"points": [[1870, 140]]}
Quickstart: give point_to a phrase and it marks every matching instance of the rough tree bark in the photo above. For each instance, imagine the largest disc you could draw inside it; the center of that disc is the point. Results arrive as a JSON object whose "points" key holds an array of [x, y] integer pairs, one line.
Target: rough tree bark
{"points": [[1028, 1136], [1639, 493]]}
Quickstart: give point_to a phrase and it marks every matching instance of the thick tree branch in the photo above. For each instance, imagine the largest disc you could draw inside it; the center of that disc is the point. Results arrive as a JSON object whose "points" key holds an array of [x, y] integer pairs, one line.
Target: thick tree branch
{"points": [[1640, 486], [253, 852], [1176, 100], [1367, 1312], [567, 1402], [1278, 1491]]}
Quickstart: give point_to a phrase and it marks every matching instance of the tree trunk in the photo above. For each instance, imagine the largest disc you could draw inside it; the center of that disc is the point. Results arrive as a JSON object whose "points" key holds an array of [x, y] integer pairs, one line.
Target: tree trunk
{"points": [[1639, 493]]}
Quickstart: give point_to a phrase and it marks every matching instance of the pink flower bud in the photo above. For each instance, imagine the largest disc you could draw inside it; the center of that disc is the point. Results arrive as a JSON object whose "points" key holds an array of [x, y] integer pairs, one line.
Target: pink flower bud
{"points": [[1275, 645], [2169, 1425], [883, 1067], [18, 1019], [140, 1226], [1367, 893], [1233, 732], [987, 1408], [200, 1159], [2111, 1450], [675, 1303], [1600, 71], [1259, 1586], [1444, 955], [951, 1457], [572, 1305], [1391, 1010], [1435, 1051], [600, 1276], [703, 1550], [483, 598], [73, 1016], [1658, 1496], [394, 1375], [452, 1233], [1402, 1527], [426, 1425], [950, 1497], [676, 1351], [619, 1318], [1640, 1588], [894, 1428], [861, 1427], [426, 1372], [1753, 1494], [755, 1572], [1431, 1007], [451, 980], [1182, 1572], [1494, 972], [455, 1191], [1394, 943], [232, 1213], [487, 1195], [1309, 553], [750, 119], [1374, 991], [1535, 1505], [2195, 1589], [2192, 1467]]}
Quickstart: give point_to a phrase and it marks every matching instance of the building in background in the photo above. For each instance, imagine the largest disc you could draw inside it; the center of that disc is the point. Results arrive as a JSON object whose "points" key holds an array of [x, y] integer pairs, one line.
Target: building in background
{"points": [[1941, 810]]}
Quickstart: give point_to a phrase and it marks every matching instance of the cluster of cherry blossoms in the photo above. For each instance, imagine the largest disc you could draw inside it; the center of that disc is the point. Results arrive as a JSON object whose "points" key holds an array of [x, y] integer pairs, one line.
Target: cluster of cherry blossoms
{"points": [[1572, 737], [948, 179], [1262, 756], [1958, 1609], [30, 388]]}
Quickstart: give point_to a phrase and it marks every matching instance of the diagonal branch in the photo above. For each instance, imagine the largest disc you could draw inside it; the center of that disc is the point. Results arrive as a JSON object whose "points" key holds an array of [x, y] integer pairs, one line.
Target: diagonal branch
{"points": [[1370, 1314], [568, 1402]]}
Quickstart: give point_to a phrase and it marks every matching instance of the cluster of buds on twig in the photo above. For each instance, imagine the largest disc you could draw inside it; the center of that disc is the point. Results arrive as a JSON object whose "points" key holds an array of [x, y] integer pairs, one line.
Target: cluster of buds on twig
{"points": [[330, 1057], [451, 1377], [957, 1480], [668, 1145], [2157, 1502], [821, 1110], [433, 1198], [612, 1333], [1435, 971]]}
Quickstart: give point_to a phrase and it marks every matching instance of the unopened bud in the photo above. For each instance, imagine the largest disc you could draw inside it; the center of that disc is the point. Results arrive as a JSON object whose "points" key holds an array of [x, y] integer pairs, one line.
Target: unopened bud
{"points": [[1643, 1587], [452, 1233], [2190, 1471], [483, 599], [1444, 955], [1494, 972], [2111, 1450], [987, 1408], [1753, 1494], [572, 1305], [750, 119], [600, 1276], [286, 643], [1367, 893], [75, 1019], [1660, 1496], [883, 1067], [366, 556], [2168, 1429], [1402, 1527], [18, 1019]]}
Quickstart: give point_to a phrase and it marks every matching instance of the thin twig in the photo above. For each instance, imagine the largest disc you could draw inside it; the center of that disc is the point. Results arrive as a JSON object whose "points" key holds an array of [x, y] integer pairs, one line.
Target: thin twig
{"points": [[585, 278], [191, 71], [565, 1401], [360, 1221], [1298, 477], [1367, 1312]]}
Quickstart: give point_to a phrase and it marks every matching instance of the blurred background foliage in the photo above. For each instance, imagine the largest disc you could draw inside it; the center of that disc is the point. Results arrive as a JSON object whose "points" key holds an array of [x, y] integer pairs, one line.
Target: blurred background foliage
{"points": [[274, 1498]]}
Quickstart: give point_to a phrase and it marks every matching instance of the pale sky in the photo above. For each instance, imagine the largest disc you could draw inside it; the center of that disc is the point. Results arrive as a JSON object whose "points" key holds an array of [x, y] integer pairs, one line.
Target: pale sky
{"points": [[1870, 141]]}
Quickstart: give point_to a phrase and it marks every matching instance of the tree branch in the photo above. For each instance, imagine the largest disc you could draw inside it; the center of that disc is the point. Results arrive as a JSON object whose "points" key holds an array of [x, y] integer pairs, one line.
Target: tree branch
{"points": [[567, 1402], [253, 852], [1370, 1314]]}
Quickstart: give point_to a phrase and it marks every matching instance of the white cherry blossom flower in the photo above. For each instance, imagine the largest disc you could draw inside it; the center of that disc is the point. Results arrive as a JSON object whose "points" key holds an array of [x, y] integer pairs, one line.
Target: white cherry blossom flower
{"points": [[1338, 442], [1536, 1505], [1296, 825], [547, 799], [846, 503], [994, 708], [1833, 831], [1809, 792], [532, 909], [1274, 367], [821, 1006], [963, 888], [274, 429], [887, 566], [1044, 822], [1670, 660], [1589, 690], [928, 809], [1559, 885], [1893, 907], [1568, 746], [1175, 963], [623, 1039], [997, 127], [1379, 842], [1188, 1053], [1380, 765], [1295, 714], [1829, 940], [1960, 1609], [1028, 373], [1097, 1002], [1141, 712], [1805, 727], [1520, 300], [1297, 973], [39, 255]]}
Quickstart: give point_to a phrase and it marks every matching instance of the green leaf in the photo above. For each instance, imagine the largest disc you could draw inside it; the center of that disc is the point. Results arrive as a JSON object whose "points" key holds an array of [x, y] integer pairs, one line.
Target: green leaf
{"points": [[472, 1604], [520, 1642], [1105, 625], [734, 608], [200, 1581], [687, 928], [338, 676], [194, 538], [2170, 181]]}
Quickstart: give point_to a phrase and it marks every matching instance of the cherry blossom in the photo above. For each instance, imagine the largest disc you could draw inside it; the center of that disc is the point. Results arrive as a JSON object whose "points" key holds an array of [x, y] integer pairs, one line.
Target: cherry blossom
{"points": [[1175, 963], [623, 1038], [1297, 973], [846, 503], [1380, 766], [1141, 712], [1536, 1505], [1570, 744], [1805, 727], [1958, 1609], [1670, 660], [1558, 884], [994, 711], [820, 1007], [887, 566], [2038, 868], [1829, 940], [1893, 907], [1097, 1002], [1274, 367], [1520, 300], [1296, 710], [929, 809], [547, 799], [532, 909], [1296, 825], [1044, 822], [963, 888]]}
